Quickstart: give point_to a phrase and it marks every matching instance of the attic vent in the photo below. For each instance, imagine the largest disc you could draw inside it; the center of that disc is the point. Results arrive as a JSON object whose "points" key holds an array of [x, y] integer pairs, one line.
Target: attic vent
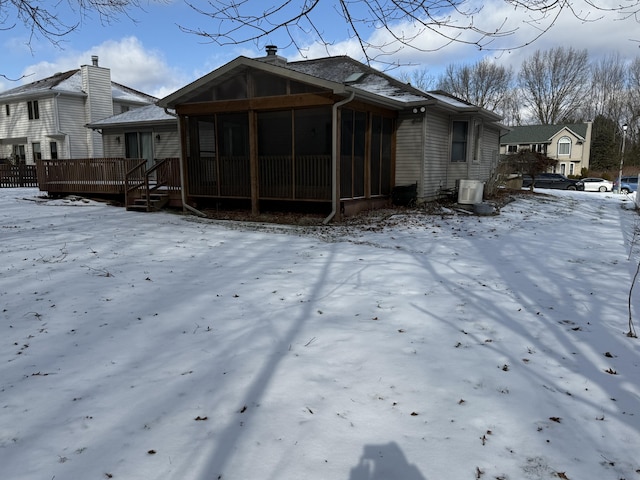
{"points": [[354, 77]]}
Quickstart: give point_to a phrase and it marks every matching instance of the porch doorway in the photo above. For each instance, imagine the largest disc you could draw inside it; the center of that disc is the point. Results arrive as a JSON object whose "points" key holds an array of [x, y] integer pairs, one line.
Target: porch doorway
{"points": [[139, 145], [19, 154]]}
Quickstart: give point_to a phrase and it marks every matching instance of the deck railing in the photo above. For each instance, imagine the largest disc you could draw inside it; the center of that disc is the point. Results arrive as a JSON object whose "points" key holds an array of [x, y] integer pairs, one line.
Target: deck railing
{"points": [[84, 175]]}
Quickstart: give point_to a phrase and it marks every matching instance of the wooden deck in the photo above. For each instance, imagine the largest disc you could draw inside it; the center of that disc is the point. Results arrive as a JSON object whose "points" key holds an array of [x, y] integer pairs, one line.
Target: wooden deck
{"points": [[126, 179]]}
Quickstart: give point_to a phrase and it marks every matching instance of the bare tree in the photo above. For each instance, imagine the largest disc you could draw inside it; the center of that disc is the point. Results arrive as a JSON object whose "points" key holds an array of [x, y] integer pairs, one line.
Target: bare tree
{"points": [[397, 24], [49, 21], [553, 83], [485, 84], [419, 78], [607, 88], [633, 96]]}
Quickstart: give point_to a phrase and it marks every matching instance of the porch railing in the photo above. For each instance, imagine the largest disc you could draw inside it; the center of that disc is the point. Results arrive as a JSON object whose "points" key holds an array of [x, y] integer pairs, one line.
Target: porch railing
{"points": [[282, 177]]}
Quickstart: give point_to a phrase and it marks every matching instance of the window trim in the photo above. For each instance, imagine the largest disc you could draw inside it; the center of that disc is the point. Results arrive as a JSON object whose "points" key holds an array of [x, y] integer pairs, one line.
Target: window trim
{"points": [[36, 151], [33, 110], [464, 144], [562, 141]]}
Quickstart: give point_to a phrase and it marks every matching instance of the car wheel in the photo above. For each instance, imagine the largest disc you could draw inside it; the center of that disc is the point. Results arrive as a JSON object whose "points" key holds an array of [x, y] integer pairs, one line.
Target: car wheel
{"points": [[603, 189], [625, 190], [571, 187]]}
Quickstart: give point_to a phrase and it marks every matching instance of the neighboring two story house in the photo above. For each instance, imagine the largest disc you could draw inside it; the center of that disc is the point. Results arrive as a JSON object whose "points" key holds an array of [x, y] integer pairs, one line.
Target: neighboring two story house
{"points": [[47, 119], [569, 144]]}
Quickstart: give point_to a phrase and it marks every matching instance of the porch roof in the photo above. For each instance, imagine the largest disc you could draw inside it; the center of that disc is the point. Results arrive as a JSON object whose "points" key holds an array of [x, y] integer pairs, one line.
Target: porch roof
{"points": [[147, 115], [341, 75]]}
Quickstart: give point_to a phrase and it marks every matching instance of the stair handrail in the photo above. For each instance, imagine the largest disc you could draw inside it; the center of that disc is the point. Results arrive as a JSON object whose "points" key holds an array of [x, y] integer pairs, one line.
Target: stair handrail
{"points": [[149, 187]]}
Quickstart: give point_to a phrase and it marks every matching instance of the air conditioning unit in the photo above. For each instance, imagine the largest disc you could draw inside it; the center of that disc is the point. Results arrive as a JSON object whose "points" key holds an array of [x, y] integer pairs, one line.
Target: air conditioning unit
{"points": [[470, 192]]}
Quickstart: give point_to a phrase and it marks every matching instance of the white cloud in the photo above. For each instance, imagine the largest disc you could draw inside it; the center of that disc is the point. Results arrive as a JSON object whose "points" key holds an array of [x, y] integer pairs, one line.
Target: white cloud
{"points": [[606, 33], [131, 64]]}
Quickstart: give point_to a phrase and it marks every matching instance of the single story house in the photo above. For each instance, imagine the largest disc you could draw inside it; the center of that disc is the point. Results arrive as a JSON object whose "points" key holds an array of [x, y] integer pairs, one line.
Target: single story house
{"points": [[148, 132], [569, 144], [331, 132]]}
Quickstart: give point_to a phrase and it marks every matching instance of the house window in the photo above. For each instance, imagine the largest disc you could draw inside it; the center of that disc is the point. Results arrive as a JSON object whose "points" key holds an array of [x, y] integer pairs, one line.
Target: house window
{"points": [[563, 168], [512, 148], [459, 132], [34, 111], [539, 148], [37, 153], [53, 148], [572, 169], [124, 108], [477, 143], [19, 154], [564, 146], [7, 110]]}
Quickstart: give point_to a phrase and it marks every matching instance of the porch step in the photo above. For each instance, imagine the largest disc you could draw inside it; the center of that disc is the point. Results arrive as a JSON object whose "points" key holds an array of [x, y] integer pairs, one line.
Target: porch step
{"points": [[155, 204]]}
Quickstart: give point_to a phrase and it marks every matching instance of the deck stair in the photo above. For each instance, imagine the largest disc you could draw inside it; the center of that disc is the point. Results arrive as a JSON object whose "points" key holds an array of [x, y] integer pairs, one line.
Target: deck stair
{"points": [[152, 202], [151, 189]]}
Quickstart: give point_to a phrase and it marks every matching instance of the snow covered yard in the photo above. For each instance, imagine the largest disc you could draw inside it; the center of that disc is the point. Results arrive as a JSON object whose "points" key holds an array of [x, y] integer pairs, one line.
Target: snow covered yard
{"points": [[422, 347]]}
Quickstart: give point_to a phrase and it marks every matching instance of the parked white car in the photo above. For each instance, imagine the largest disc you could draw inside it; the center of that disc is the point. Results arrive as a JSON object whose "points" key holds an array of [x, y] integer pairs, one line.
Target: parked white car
{"points": [[592, 184]]}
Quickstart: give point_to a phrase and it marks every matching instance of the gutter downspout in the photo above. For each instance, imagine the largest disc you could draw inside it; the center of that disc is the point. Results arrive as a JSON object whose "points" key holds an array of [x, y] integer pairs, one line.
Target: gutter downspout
{"points": [[183, 199], [334, 157]]}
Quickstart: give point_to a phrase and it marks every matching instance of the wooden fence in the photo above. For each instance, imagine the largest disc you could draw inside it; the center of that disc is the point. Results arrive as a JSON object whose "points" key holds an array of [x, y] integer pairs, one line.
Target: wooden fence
{"points": [[18, 176]]}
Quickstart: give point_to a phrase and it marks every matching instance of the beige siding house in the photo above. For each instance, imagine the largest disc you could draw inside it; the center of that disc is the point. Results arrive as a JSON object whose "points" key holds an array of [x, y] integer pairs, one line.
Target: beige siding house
{"points": [[149, 132], [47, 119], [453, 141], [330, 132], [569, 144]]}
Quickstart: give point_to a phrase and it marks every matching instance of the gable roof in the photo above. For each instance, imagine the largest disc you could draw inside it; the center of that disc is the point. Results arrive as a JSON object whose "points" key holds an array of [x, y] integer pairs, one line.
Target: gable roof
{"points": [[341, 75], [70, 83], [537, 134], [147, 115]]}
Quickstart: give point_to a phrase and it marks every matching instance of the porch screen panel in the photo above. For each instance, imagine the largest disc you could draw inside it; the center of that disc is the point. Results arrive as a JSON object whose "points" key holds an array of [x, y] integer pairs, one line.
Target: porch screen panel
{"points": [[346, 153], [275, 145], [386, 183], [359, 151], [233, 154], [352, 153], [202, 171], [312, 146], [376, 154]]}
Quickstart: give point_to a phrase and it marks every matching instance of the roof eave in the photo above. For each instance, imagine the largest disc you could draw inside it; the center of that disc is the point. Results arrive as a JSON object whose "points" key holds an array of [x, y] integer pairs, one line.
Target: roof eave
{"points": [[133, 123], [173, 99], [40, 94]]}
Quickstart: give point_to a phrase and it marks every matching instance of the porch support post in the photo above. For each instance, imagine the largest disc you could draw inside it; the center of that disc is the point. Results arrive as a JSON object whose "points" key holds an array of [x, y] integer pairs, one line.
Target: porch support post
{"points": [[253, 162]]}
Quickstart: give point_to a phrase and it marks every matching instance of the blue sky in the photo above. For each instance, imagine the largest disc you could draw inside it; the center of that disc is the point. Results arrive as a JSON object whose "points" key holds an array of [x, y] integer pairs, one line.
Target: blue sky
{"points": [[150, 52]]}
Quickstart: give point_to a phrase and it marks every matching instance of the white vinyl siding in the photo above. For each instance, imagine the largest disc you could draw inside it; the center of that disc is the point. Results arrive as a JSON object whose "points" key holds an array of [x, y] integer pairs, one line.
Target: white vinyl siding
{"points": [[72, 124]]}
